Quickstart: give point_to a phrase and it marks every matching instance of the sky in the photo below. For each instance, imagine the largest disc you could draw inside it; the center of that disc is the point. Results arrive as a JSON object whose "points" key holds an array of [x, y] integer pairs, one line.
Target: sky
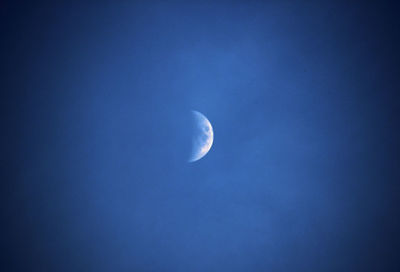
{"points": [[303, 174]]}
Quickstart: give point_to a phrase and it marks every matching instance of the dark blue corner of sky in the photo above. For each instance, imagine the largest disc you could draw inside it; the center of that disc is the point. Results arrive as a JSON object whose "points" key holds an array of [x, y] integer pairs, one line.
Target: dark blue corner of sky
{"points": [[303, 174]]}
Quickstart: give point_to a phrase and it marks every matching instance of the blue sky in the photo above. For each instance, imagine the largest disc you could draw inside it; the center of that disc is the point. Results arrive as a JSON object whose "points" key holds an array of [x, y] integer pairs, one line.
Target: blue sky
{"points": [[302, 173]]}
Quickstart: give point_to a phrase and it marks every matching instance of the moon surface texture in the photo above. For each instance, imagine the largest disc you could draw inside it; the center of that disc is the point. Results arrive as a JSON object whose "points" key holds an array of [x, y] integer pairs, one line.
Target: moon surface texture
{"points": [[203, 137]]}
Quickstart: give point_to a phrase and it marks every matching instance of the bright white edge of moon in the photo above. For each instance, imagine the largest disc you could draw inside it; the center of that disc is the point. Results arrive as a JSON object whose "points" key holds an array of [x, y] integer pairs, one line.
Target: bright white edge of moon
{"points": [[203, 139]]}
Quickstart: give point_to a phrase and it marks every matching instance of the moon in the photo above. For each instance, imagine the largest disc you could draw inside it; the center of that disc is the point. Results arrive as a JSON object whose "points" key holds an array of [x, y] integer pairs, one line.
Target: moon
{"points": [[203, 136]]}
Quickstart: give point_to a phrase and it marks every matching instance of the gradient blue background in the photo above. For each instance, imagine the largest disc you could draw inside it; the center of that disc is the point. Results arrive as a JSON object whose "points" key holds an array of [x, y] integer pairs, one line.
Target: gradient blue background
{"points": [[304, 171]]}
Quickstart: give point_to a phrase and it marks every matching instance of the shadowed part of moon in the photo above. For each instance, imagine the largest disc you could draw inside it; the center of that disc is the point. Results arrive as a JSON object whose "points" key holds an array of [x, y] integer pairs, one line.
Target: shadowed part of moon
{"points": [[202, 138]]}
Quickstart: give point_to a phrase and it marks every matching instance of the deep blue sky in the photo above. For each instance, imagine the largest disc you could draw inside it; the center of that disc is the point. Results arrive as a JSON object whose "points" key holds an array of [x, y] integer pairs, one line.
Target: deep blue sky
{"points": [[304, 171]]}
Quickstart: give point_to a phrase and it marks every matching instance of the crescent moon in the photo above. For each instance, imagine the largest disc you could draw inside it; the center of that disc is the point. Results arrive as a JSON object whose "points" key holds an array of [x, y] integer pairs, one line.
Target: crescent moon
{"points": [[203, 137]]}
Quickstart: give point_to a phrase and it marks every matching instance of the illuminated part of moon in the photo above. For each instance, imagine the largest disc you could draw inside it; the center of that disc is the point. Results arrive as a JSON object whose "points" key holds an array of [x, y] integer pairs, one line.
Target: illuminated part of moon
{"points": [[203, 137]]}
